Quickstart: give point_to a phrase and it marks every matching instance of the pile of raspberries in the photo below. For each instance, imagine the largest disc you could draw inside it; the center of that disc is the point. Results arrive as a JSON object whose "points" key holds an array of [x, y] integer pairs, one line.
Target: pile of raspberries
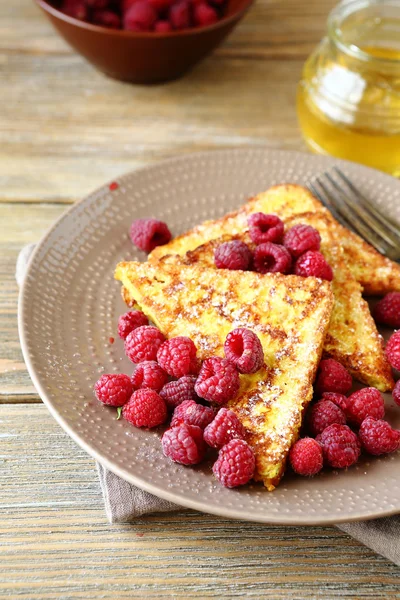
{"points": [[160, 16], [338, 427], [170, 382]]}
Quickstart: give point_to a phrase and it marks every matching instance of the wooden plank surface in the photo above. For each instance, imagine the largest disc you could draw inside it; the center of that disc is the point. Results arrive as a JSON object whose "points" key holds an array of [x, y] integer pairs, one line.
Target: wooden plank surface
{"points": [[56, 542], [64, 130]]}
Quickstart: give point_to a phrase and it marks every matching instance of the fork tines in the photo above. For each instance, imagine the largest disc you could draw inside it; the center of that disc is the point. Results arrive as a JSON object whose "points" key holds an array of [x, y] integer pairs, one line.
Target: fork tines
{"points": [[356, 212]]}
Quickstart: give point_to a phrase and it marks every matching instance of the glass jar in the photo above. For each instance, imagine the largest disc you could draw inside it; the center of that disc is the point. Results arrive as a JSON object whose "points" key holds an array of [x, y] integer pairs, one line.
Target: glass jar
{"points": [[348, 99]]}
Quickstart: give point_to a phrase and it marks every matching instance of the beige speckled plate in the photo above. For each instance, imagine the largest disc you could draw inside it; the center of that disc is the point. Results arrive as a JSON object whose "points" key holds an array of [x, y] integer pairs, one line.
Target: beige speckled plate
{"points": [[69, 307]]}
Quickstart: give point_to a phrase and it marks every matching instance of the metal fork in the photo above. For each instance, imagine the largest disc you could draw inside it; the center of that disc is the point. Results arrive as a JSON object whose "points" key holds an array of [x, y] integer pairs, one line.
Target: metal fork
{"points": [[356, 212]]}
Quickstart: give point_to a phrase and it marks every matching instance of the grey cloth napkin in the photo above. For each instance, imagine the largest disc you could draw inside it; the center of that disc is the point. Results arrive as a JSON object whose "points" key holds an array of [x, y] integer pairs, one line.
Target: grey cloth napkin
{"points": [[125, 502]]}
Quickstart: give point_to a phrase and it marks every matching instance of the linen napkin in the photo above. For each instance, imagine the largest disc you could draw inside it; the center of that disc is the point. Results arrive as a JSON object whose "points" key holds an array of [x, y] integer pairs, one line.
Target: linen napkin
{"points": [[125, 502]]}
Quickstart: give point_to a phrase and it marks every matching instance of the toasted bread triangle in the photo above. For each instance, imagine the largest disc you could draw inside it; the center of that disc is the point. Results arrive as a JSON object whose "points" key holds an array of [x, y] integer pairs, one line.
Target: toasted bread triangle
{"points": [[375, 273], [289, 314]]}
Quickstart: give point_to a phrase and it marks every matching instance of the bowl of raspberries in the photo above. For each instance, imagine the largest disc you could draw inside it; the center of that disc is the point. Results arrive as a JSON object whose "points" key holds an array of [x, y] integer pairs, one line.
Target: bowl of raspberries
{"points": [[144, 41]]}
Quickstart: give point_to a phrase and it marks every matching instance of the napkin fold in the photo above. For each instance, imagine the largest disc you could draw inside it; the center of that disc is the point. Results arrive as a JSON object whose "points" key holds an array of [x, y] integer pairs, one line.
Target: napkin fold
{"points": [[125, 502]]}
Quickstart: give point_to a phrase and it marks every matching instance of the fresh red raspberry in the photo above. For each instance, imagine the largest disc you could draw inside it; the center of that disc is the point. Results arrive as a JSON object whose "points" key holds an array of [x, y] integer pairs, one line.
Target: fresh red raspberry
{"points": [[340, 446], [339, 399], [106, 18], [75, 8], [143, 343], [265, 228], [162, 26], [98, 4], [313, 264], [377, 437], [218, 381], [301, 238], [243, 348], [126, 4], [113, 390], [396, 393], [149, 374], [387, 311], [204, 15], [272, 258], [393, 350], [176, 392], [146, 234], [235, 465], [234, 255], [179, 15], [177, 356], [332, 377], [191, 413], [130, 321], [364, 403], [141, 16], [184, 444], [145, 409], [224, 428], [323, 414], [306, 457]]}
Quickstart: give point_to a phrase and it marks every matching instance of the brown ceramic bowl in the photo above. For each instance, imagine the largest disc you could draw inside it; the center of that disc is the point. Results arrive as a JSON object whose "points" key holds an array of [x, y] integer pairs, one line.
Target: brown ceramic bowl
{"points": [[146, 57]]}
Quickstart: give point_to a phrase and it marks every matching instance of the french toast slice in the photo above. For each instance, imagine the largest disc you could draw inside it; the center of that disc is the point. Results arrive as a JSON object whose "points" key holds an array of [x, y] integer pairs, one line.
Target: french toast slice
{"points": [[375, 273], [352, 337], [289, 314]]}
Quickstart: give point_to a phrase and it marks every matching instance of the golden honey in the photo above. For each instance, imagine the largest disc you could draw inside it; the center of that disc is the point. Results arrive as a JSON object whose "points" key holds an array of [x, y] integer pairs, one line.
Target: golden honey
{"points": [[348, 99]]}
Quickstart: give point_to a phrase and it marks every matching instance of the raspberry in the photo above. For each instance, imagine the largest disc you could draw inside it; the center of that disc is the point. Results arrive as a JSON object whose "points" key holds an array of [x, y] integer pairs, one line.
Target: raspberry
{"points": [[75, 9], [300, 238], [235, 255], [396, 393], [179, 15], [272, 258], [130, 321], [235, 465], [148, 374], [306, 457], [204, 15], [184, 444], [106, 18], [146, 234], [224, 428], [313, 264], [177, 356], [339, 399], [243, 348], [143, 343], [332, 377], [387, 311], [113, 390], [145, 409], [377, 437], [141, 16], [265, 228], [191, 413], [218, 381], [162, 26], [364, 403], [323, 414], [393, 350], [176, 392], [97, 3], [340, 446]]}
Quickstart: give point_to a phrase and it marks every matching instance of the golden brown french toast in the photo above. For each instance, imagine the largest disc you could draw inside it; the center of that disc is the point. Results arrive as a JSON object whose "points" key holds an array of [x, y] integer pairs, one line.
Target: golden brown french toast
{"points": [[352, 337], [289, 314], [375, 273]]}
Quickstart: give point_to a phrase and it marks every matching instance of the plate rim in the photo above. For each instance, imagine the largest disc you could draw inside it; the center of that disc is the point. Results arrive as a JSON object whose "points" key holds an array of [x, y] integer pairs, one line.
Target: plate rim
{"points": [[174, 497]]}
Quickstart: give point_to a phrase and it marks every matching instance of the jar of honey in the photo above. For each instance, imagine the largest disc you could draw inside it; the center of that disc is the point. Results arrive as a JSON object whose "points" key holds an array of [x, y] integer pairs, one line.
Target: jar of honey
{"points": [[348, 99]]}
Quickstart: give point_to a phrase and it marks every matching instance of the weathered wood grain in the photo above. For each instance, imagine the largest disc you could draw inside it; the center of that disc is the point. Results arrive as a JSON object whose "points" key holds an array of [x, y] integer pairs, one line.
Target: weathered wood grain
{"points": [[65, 129], [56, 542]]}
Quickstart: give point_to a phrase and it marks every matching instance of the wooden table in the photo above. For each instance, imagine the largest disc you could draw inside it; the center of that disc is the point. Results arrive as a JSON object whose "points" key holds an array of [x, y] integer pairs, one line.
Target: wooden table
{"points": [[65, 129]]}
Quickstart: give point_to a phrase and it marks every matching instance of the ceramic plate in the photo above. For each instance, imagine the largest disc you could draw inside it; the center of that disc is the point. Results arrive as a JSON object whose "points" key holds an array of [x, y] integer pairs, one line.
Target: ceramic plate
{"points": [[70, 304]]}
